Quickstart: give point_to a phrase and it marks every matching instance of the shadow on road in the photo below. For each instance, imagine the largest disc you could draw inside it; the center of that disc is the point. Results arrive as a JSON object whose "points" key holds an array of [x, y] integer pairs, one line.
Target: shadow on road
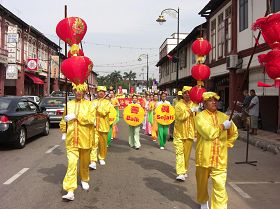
{"points": [[149, 164], [170, 191], [55, 174]]}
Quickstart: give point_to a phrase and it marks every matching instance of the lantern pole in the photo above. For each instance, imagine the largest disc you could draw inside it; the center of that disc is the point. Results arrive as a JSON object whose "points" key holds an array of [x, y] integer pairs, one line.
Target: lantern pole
{"points": [[242, 84], [65, 47]]}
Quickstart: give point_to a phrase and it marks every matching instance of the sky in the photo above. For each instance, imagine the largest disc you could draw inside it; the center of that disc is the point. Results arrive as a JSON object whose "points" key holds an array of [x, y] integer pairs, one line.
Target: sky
{"points": [[119, 31]]}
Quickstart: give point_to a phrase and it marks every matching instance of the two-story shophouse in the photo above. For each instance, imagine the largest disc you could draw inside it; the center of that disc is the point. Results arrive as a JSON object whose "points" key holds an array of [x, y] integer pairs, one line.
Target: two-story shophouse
{"points": [[229, 31]]}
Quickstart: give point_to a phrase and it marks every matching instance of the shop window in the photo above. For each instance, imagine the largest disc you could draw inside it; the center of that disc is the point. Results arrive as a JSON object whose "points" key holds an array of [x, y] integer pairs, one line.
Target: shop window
{"points": [[213, 40], [221, 35], [243, 15]]}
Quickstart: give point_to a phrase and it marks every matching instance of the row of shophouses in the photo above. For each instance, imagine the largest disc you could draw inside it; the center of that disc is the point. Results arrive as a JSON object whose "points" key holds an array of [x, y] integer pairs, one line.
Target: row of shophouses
{"points": [[228, 28], [29, 61]]}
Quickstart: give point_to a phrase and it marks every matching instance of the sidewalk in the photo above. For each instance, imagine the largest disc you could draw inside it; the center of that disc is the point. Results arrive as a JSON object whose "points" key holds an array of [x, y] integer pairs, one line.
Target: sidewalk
{"points": [[265, 140]]}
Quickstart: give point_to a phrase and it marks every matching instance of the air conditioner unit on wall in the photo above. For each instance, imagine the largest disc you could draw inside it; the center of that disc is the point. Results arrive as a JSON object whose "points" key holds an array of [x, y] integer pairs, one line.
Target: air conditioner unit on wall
{"points": [[232, 61]]}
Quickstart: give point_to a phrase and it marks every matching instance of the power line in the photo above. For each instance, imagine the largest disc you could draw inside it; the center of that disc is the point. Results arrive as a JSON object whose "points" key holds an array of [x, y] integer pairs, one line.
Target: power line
{"points": [[111, 45]]}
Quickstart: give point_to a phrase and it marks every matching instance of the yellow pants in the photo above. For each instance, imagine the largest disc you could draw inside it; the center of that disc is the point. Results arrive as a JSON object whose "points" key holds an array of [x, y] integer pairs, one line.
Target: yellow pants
{"points": [[73, 155], [183, 149], [219, 196], [101, 144]]}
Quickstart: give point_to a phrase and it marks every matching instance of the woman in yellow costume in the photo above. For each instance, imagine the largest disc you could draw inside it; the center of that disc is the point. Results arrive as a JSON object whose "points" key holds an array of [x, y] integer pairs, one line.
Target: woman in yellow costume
{"points": [[102, 126], [184, 133], [152, 120], [116, 104], [79, 134], [215, 134]]}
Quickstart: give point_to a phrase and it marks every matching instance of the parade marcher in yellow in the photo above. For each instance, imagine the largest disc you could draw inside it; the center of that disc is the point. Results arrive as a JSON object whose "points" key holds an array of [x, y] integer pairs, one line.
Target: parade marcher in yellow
{"points": [[184, 133], [215, 134], [78, 138], [102, 127]]}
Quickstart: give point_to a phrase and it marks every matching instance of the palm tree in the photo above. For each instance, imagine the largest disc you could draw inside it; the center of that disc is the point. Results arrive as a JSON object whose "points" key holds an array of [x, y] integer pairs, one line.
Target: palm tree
{"points": [[115, 78], [130, 77]]}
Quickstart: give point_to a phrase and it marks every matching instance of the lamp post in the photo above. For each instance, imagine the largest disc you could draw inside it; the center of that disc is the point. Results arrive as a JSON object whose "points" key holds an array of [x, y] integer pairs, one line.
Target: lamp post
{"points": [[161, 20], [140, 59]]}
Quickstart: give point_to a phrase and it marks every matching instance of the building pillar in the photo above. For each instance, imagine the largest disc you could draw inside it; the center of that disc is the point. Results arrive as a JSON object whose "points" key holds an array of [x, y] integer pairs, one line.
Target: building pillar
{"points": [[46, 87], [2, 79], [20, 83], [55, 85], [232, 88]]}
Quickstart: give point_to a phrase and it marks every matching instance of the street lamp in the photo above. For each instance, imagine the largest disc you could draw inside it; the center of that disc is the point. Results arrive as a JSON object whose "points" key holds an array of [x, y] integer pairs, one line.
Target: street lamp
{"points": [[161, 20], [140, 59]]}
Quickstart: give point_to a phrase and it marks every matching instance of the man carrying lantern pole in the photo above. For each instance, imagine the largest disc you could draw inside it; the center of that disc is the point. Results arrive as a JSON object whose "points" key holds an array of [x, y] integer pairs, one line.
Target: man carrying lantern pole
{"points": [[78, 138], [102, 107], [215, 134], [184, 133]]}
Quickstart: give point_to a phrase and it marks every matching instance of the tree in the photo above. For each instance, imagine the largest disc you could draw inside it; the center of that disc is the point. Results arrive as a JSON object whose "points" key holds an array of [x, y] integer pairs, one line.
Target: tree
{"points": [[115, 78], [130, 77]]}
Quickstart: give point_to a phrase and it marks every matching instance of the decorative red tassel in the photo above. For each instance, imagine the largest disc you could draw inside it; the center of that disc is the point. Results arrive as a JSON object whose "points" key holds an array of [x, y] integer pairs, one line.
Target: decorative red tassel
{"points": [[261, 84]]}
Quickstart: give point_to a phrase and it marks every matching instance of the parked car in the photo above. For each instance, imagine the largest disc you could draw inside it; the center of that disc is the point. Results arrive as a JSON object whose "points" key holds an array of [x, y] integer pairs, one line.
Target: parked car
{"points": [[33, 98], [20, 119], [60, 94], [54, 107]]}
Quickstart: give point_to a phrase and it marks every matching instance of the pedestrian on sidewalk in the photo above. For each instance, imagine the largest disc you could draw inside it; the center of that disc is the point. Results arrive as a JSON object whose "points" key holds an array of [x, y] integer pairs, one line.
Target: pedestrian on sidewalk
{"points": [[162, 129], [102, 127], [78, 138], [215, 134], [245, 104], [184, 133], [254, 112], [134, 135]]}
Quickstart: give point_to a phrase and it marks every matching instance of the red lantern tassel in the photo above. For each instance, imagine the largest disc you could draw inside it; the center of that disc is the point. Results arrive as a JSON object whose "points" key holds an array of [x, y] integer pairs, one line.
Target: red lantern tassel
{"points": [[261, 84]]}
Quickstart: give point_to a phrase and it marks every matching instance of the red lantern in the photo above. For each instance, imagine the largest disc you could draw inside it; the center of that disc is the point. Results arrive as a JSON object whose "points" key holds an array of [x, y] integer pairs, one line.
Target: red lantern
{"points": [[201, 47], [272, 66], [80, 53], [270, 28], [71, 30], [196, 94], [77, 68], [200, 72], [262, 59]]}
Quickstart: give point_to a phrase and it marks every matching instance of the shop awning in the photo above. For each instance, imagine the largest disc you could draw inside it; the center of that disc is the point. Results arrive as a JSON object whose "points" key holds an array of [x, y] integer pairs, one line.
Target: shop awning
{"points": [[34, 78]]}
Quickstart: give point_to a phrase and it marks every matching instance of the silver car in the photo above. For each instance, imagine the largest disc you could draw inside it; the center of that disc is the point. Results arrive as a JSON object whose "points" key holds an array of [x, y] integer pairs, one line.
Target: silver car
{"points": [[54, 107]]}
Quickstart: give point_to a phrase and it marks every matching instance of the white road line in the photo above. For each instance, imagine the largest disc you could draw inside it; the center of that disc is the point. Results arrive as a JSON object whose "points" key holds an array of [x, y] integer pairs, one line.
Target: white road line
{"points": [[22, 171], [51, 149], [239, 190], [244, 194]]}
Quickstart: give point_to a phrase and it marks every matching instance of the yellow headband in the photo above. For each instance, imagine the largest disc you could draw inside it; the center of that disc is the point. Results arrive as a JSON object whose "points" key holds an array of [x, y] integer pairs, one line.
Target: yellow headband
{"points": [[80, 87], [209, 95], [186, 88], [179, 93]]}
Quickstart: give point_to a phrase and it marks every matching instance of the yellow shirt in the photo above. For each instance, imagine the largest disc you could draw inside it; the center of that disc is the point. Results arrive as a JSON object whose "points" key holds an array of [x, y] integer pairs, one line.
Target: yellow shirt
{"points": [[80, 131], [212, 141], [184, 122], [102, 107]]}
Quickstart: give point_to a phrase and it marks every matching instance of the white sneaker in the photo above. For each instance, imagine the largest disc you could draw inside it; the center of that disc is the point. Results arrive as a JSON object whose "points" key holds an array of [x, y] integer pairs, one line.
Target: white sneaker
{"points": [[161, 147], [93, 165], [102, 162], [204, 206], [68, 196], [85, 185], [186, 175], [181, 177]]}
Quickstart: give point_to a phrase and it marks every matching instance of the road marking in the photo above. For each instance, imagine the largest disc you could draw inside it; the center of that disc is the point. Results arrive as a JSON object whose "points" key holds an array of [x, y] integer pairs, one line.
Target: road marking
{"points": [[22, 171], [244, 194], [51, 149]]}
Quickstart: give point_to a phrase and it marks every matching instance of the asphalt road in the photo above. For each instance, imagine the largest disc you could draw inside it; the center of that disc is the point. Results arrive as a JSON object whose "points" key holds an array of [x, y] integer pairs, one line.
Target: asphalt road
{"points": [[131, 179]]}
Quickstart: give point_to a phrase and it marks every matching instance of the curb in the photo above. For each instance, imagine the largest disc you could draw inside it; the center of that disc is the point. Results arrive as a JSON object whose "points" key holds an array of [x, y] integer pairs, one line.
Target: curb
{"points": [[262, 144]]}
